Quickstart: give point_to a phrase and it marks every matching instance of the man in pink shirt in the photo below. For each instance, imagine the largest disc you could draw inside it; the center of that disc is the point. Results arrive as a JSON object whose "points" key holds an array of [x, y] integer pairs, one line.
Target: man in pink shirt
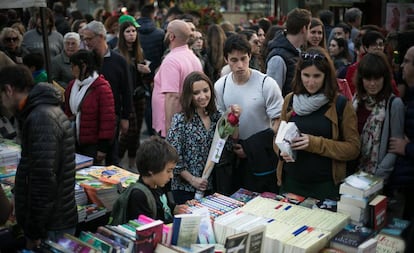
{"points": [[168, 81]]}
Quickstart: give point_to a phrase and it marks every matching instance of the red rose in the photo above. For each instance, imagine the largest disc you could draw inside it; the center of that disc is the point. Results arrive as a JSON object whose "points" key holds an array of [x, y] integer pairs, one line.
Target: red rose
{"points": [[232, 119]]}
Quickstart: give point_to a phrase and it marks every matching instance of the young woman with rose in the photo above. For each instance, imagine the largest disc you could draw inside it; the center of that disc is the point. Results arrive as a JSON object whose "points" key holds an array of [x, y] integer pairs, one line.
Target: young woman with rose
{"points": [[191, 133], [329, 138]]}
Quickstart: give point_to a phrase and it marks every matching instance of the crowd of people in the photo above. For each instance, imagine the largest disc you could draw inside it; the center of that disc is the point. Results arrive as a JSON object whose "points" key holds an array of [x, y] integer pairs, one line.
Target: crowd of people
{"points": [[351, 99]]}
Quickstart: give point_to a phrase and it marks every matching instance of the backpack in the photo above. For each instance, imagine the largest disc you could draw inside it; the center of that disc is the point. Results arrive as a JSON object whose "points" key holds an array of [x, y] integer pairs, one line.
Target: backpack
{"points": [[119, 209]]}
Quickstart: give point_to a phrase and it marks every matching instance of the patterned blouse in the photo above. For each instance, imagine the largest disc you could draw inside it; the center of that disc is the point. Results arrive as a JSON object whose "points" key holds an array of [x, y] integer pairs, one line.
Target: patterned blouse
{"points": [[192, 141]]}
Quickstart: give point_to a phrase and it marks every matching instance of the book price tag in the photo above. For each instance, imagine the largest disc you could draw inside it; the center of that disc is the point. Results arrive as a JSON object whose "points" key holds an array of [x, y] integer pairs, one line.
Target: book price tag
{"points": [[218, 150]]}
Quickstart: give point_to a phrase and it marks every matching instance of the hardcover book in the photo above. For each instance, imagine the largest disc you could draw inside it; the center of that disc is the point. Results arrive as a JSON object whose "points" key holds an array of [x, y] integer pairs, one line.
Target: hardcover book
{"points": [[377, 212], [148, 236]]}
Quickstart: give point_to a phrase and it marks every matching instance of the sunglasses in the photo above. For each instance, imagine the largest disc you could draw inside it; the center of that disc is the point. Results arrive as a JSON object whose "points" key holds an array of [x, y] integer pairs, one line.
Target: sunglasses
{"points": [[312, 56], [10, 39]]}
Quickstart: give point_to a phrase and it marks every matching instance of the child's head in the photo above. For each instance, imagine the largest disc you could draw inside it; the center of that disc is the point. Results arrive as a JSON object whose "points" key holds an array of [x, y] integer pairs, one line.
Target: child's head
{"points": [[154, 156], [34, 61]]}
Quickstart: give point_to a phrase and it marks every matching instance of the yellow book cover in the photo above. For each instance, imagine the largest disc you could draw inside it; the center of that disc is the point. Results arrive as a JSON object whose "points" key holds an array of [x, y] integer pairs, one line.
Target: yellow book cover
{"points": [[114, 175]]}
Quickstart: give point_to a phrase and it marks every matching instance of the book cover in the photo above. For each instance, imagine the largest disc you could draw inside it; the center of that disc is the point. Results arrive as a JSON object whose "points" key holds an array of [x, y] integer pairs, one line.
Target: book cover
{"points": [[361, 184], [388, 243], [351, 237], [166, 228], [244, 195], [116, 247], [148, 236], [82, 161], [8, 170], [114, 175], [286, 133], [206, 232], [96, 242], [73, 244], [49, 246], [293, 198], [377, 212], [395, 227], [185, 229], [126, 242], [236, 243]]}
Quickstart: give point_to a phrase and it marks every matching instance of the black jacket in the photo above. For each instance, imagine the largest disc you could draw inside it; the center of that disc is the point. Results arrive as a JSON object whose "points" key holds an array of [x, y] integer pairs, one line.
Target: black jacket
{"points": [[152, 43], [45, 178], [282, 47]]}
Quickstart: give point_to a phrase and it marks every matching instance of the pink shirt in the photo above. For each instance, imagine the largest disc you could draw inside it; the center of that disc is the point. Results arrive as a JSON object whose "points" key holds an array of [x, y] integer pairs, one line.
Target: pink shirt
{"points": [[175, 67]]}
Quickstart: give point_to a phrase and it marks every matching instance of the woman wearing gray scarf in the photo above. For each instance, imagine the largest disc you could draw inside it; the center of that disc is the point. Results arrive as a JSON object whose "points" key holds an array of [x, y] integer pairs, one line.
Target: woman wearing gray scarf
{"points": [[328, 126]]}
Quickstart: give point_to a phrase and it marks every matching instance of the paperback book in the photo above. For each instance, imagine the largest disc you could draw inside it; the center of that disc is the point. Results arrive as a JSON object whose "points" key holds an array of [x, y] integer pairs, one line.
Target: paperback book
{"points": [[286, 133]]}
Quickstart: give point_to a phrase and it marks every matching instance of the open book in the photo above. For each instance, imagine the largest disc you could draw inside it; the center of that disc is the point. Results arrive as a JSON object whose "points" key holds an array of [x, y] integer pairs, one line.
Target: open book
{"points": [[286, 133]]}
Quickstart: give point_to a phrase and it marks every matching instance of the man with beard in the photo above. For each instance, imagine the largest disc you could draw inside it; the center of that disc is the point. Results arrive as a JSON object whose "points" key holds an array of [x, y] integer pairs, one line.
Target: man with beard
{"points": [[168, 81]]}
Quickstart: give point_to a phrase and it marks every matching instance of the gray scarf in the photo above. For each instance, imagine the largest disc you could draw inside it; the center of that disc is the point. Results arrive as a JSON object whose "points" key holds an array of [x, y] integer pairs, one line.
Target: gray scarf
{"points": [[304, 104]]}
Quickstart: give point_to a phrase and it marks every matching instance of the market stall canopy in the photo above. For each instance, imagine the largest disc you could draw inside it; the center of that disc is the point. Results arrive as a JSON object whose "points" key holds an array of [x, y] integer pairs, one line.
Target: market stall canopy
{"points": [[10, 4]]}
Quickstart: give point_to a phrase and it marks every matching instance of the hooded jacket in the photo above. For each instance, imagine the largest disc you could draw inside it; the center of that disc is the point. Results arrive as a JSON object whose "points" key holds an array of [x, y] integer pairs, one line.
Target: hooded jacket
{"points": [[45, 177], [152, 42], [281, 46]]}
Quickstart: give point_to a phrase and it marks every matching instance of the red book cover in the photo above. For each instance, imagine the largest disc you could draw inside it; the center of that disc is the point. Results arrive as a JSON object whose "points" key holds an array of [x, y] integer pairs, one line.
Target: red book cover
{"points": [[148, 236], [378, 212]]}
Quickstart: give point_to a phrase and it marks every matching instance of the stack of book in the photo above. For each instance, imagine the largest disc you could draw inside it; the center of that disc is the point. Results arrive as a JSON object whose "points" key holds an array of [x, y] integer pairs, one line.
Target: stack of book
{"points": [[295, 227], [357, 192], [217, 204], [10, 152], [101, 194], [83, 161], [390, 237], [114, 175], [9, 159]]}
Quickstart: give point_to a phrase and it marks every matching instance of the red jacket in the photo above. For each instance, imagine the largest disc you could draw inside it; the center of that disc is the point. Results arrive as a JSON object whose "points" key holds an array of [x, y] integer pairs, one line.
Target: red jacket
{"points": [[97, 122]]}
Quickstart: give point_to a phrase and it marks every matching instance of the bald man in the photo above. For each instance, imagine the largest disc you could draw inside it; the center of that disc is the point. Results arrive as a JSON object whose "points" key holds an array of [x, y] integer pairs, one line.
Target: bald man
{"points": [[168, 82]]}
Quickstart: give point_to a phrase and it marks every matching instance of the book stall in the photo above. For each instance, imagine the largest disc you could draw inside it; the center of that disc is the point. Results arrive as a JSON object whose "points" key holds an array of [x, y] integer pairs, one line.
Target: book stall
{"points": [[246, 221]]}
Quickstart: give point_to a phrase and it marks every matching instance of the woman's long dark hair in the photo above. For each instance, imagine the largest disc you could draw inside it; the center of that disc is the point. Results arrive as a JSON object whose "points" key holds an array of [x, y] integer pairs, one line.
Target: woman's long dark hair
{"points": [[187, 104], [136, 46], [374, 66], [318, 57]]}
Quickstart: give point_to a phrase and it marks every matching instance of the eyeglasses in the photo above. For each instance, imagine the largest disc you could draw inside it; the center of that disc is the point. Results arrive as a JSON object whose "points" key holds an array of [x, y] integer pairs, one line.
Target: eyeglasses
{"points": [[380, 44], [312, 56], [10, 39], [87, 39]]}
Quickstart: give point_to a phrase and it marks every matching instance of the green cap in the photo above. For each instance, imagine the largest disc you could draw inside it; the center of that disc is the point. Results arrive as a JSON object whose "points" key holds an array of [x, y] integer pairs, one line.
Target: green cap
{"points": [[128, 18]]}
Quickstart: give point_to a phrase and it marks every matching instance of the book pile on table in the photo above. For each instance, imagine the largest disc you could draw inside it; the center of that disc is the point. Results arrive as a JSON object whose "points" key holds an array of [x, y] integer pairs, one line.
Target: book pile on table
{"points": [[294, 227], [361, 200], [10, 154]]}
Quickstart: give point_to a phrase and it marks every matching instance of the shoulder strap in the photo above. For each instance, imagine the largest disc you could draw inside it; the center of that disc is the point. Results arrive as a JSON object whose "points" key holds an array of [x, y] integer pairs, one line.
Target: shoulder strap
{"points": [[389, 114], [120, 207], [340, 106], [264, 79], [150, 198]]}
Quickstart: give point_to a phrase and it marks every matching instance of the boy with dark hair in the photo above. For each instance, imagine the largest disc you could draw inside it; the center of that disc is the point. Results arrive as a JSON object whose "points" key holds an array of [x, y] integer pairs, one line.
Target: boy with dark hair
{"points": [[35, 62], [156, 160]]}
